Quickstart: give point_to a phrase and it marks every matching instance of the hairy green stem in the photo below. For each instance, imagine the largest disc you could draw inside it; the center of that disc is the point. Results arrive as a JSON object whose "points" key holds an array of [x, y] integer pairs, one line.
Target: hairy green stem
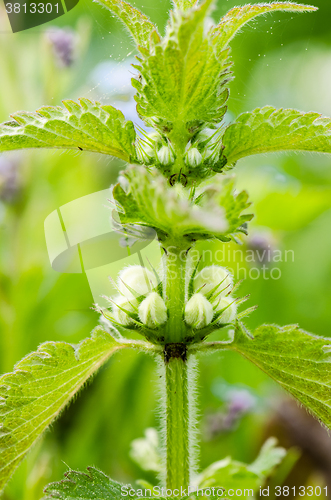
{"points": [[175, 268], [177, 424], [178, 377]]}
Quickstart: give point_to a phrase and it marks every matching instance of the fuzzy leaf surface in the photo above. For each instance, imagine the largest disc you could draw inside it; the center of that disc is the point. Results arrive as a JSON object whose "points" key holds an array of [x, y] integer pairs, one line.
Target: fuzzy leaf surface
{"points": [[234, 205], [136, 22], [93, 485], [237, 17], [38, 390], [299, 361], [267, 130], [150, 201], [184, 78], [84, 486], [228, 473], [84, 126]]}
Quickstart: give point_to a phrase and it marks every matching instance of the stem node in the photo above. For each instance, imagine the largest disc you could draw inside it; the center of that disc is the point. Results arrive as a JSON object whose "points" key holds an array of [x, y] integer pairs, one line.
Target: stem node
{"points": [[175, 350]]}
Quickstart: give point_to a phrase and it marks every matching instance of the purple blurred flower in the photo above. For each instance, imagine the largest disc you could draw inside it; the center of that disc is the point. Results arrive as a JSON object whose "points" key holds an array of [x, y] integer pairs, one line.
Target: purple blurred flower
{"points": [[263, 245], [238, 403], [63, 44], [10, 184]]}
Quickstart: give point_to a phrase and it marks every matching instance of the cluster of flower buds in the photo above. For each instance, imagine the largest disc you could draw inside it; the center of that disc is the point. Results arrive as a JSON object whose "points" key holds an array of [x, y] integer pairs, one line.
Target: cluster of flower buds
{"points": [[205, 149], [211, 301], [138, 301], [152, 149]]}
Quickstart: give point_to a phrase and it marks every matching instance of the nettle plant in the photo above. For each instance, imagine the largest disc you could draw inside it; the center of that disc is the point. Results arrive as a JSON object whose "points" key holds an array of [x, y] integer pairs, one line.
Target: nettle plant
{"points": [[176, 184]]}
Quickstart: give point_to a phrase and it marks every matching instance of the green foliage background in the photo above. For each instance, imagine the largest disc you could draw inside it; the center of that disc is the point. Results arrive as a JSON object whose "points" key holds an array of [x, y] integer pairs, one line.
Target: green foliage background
{"points": [[280, 60]]}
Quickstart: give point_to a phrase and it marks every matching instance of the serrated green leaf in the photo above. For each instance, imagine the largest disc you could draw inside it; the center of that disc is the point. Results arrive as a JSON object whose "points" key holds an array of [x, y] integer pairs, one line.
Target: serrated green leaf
{"points": [[267, 130], [223, 194], [150, 201], [84, 486], [184, 78], [269, 457], [38, 390], [84, 126], [136, 22], [93, 485], [230, 473], [234, 205], [235, 19], [299, 361]]}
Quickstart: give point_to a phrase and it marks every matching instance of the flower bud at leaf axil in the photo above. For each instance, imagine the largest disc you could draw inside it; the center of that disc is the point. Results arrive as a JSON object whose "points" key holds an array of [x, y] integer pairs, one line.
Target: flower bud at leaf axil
{"points": [[153, 311], [229, 313], [211, 276], [206, 134], [198, 311], [138, 278], [210, 144], [193, 158], [155, 137], [145, 152], [121, 316], [165, 156]]}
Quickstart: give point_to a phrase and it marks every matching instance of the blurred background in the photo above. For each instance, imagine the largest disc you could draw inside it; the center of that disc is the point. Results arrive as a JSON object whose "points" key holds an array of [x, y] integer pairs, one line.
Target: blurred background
{"points": [[282, 60]]}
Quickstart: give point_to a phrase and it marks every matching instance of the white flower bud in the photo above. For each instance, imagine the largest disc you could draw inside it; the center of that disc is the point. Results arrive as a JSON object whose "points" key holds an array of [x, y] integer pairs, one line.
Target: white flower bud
{"points": [[211, 139], [212, 276], [230, 313], [198, 311], [165, 156], [139, 278], [145, 152], [121, 316], [193, 157], [155, 137], [211, 154], [206, 134], [153, 311]]}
